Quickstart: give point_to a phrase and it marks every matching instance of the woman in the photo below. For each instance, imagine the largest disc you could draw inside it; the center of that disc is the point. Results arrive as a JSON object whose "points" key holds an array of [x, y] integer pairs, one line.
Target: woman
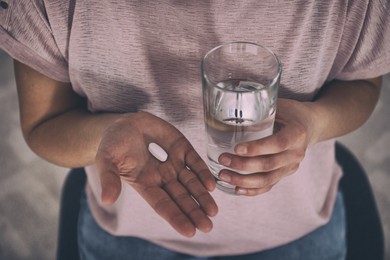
{"points": [[100, 80]]}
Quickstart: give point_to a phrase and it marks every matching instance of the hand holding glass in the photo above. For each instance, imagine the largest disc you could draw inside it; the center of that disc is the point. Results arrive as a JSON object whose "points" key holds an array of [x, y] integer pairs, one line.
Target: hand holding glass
{"points": [[240, 84]]}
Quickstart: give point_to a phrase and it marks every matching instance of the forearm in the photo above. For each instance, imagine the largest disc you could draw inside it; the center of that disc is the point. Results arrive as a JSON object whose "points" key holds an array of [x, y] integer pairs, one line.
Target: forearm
{"points": [[55, 121], [343, 106], [70, 139]]}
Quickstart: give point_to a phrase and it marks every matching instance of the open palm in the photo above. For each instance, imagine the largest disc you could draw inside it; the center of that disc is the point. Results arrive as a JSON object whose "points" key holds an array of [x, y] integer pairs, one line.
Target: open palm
{"points": [[177, 189]]}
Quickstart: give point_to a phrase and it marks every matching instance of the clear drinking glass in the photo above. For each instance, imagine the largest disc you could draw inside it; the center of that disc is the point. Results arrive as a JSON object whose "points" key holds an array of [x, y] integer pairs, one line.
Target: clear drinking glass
{"points": [[240, 83]]}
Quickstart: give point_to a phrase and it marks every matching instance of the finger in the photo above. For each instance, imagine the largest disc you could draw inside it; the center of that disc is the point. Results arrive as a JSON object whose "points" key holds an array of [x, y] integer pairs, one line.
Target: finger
{"points": [[276, 143], [164, 206], [252, 192], [111, 186], [110, 174], [199, 167], [257, 180], [198, 192], [263, 163], [188, 205]]}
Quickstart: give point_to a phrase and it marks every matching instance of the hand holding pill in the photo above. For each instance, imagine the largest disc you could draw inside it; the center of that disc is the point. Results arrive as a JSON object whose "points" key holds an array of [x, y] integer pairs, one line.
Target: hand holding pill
{"points": [[162, 166]]}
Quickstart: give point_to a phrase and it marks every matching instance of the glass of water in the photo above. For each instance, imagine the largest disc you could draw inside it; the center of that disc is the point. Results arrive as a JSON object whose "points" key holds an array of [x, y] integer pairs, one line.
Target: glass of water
{"points": [[240, 83]]}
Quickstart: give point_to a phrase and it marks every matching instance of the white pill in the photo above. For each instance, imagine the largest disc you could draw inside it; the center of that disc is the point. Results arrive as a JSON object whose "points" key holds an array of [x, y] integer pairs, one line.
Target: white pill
{"points": [[157, 152]]}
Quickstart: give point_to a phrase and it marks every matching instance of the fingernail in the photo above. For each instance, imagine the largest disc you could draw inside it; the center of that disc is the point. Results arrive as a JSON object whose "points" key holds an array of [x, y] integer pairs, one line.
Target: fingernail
{"points": [[241, 149], [225, 177], [241, 191], [225, 160]]}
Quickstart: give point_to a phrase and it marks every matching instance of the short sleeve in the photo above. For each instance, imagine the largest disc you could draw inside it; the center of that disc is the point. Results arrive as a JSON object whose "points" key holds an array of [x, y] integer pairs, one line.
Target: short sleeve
{"points": [[25, 34], [370, 47]]}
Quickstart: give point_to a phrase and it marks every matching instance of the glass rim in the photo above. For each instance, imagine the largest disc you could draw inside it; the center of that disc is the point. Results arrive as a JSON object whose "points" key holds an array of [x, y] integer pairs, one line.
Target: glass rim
{"points": [[277, 61]]}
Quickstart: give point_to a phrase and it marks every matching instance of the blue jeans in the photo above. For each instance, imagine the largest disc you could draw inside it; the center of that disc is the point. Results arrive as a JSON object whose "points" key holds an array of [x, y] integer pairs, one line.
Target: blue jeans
{"points": [[325, 243]]}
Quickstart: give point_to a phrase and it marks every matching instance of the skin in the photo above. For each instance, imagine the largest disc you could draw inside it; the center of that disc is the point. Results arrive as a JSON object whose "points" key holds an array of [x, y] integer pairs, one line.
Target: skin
{"points": [[339, 109], [58, 127]]}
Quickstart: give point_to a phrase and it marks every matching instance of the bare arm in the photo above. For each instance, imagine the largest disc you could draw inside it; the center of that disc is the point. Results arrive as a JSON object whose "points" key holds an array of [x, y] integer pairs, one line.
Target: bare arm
{"points": [[55, 122], [57, 126], [343, 106]]}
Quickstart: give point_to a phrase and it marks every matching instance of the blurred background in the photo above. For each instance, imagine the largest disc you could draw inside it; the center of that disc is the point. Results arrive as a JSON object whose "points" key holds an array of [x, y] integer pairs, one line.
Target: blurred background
{"points": [[30, 188]]}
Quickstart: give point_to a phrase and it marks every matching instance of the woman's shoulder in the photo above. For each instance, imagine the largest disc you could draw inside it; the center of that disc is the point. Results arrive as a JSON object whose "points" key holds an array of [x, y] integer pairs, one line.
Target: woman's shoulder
{"points": [[28, 33]]}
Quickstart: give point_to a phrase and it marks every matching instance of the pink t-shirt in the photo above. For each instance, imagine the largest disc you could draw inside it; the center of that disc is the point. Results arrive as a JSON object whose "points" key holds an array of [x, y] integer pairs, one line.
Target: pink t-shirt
{"points": [[126, 56]]}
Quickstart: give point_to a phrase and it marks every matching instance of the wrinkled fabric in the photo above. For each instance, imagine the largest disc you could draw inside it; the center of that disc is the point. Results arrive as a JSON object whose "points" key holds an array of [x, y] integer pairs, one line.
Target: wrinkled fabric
{"points": [[128, 56], [327, 242]]}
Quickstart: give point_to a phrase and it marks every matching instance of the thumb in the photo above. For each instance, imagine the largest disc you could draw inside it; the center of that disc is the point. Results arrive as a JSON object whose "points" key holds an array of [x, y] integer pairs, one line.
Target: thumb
{"points": [[111, 186]]}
